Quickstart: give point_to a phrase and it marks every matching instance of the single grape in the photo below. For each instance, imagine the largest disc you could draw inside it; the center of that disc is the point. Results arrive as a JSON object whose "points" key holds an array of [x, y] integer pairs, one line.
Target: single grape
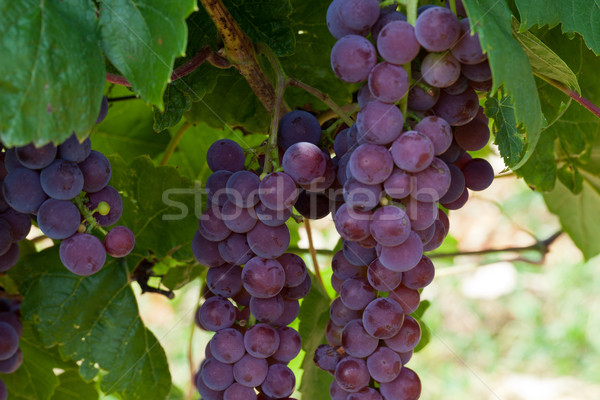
{"points": [[361, 196], [472, 136], [9, 258], [227, 346], [478, 72], [242, 189], [340, 314], [216, 313], [333, 333], [388, 82], [356, 293], [467, 49], [399, 184], [212, 226], [74, 150], [225, 280], [83, 254], [58, 219], [351, 374], [34, 157], [278, 191], [336, 24], [356, 341], [313, 205], [478, 173], [402, 257], [407, 339], [23, 191], [421, 275], [379, 123], [352, 58], [20, 223], [412, 151], [250, 371], [457, 185], [262, 277], [384, 364], [390, 226], [225, 154], [407, 386], [216, 187], [119, 241], [298, 292], [11, 364], [205, 392], [343, 269], [239, 392], [326, 358], [110, 195], [363, 97], [383, 318], [11, 161], [485, 86], [438, 131], [280, 382], [261, 340], [437, 29], [304, 162], [235, 249], [268, 309], [359, 15], [290, 344], [397, 43], [422, 97], [358, 255], [9, 341], [458, 87], [440, 69], [385, 17], [382, 278], [216, 375], [352, 224], [291, 309], [294, 267], [336, 392], [62, 180], [457, 110], [206, 252], [433, 182], [458, 203], [408, 299], [371, 164], [298, 126], [269, 241], [96, 172]]}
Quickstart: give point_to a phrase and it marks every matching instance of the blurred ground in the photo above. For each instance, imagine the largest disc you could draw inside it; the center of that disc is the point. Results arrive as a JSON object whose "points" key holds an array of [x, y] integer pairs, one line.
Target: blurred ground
{"points": [[501, 329]]}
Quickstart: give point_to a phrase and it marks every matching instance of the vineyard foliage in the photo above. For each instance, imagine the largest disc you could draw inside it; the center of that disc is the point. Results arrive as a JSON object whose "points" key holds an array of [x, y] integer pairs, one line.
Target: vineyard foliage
{"points": [[53, 69]]}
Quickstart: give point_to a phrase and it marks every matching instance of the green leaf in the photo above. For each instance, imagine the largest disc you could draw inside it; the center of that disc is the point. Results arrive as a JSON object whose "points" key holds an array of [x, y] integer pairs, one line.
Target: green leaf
{"points": [[491, 19], [142, 39], [72, 387], [51, 70], [94, 320], [176, 102], [232, 103], [127, 130], [314, 314], [158, 206], [310, 63], [265, 21], [544, 62], [178, 277], [425, 332], [540, 170], [581, 16], [509, 138], [35, 379]]}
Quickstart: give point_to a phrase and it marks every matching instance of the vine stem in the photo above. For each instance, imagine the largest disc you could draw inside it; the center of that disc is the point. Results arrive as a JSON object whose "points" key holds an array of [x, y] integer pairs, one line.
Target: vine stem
{"points": [[313, 252], [277, 109], [323, 97], [594, 109], [174, 142], [204, 54], [240, 51]]}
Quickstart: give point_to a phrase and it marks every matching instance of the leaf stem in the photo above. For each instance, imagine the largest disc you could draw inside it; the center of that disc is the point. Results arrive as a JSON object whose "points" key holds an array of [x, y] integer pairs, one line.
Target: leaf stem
{"points": [[594, 109], [88, 214], [323, 97], [174, 142], [204, 54], [313, 252]]}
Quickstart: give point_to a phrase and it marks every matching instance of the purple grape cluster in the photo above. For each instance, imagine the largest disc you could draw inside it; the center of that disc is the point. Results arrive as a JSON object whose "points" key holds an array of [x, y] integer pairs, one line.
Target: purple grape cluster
{"points": [[395, 169], [61, 186], [242, 237], [11, 356]]}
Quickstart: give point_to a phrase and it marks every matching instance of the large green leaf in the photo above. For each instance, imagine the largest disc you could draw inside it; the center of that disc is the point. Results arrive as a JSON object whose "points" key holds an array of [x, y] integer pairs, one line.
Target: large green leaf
{"points": [[314, 314], [491, 19], [72, 387], [159, 206], [94, 320], [142, 39], [51, 70], [581, 16]]}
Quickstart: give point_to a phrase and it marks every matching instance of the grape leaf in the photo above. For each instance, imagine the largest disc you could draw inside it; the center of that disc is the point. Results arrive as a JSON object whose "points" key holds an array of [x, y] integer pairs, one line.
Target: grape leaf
{"points": [[50, 84], [176, 102], [265, 21], [94, 320], [127, 130], [509, 138], [545, 62], [491, 19], [35, 379], [142, 39], [72, 387], [310, 63], [314, 314], [158, 206], [581, 16]]}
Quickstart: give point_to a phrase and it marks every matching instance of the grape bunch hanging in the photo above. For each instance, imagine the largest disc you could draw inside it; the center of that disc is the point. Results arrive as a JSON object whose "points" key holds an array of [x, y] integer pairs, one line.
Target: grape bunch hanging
{"points": [[65, 190]]}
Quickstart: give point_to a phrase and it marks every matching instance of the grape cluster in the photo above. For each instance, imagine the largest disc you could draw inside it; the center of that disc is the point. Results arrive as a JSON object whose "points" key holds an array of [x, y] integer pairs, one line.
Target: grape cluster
{"points": [[11, 356], [65, 188], [250, 307], [395, 169]]}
